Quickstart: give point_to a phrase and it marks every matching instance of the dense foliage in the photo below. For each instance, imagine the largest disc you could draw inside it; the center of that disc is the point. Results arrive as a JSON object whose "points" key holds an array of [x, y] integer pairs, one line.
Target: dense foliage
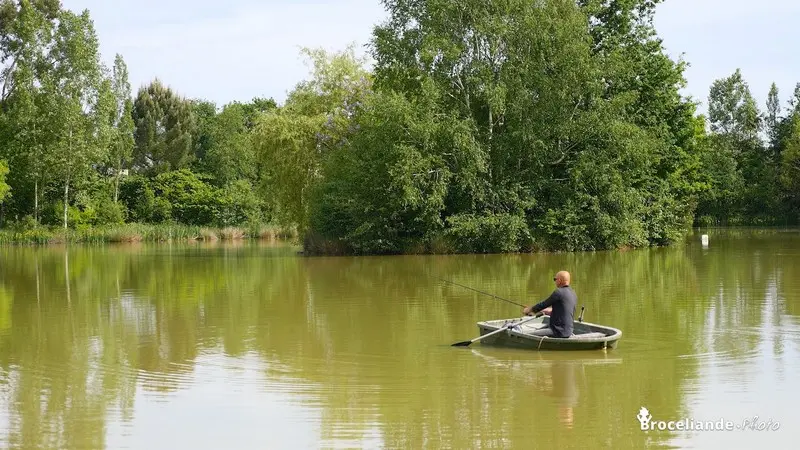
{"points": [[483, 126], [4, 187], [82, 152], [751, 160], [507, 126]]}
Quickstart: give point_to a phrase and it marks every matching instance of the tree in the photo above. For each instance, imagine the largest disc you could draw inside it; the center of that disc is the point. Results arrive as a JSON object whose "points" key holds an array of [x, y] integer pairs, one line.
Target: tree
{"points": [[122, 141], [772, 119], [26, 34], [386, 189], [742, 163], [637, 68], [204, 113], [286, 144], [291, 143], [790, 167], [231, 157], [24, 25], [164, 126], [580, 129], [337, 80], [732, 110], [81, 100]]}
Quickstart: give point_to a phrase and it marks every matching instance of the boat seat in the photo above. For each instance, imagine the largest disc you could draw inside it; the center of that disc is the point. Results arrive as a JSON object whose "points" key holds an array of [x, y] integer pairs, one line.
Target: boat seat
{"points": [[593, 335]]}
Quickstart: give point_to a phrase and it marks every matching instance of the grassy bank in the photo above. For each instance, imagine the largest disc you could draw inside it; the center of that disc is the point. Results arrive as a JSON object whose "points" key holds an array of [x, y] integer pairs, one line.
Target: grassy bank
{"points": [[142, 233]]}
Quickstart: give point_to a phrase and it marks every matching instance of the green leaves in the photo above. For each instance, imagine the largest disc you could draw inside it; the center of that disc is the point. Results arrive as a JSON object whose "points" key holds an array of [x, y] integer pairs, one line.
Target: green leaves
{"points": [[386, 190], [121, 122], [164, 126], [732, 110], [491, 125], [790, 165], [292, 143], [488, 233], [5, 189], [191, 201], [572, 125], [287, 148], [743, 171], [230, 155]]}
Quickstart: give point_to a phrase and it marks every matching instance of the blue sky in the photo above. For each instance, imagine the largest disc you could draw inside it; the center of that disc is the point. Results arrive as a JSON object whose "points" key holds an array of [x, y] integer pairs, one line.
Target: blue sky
{"points": [[240, 49]]}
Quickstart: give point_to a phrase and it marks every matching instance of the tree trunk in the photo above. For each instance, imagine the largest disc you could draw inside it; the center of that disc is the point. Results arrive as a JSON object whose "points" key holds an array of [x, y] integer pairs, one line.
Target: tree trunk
{"points": [[491, 123], [66, 183], [35, 180], [116, 183]]}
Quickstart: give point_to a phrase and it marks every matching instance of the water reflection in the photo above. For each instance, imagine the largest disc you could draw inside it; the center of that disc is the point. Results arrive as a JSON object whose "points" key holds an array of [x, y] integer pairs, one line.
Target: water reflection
{"points": [[557, 377], [217, 345]]}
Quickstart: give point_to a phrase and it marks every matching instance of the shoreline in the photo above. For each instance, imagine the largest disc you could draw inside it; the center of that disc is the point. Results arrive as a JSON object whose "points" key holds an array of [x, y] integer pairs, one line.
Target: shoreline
{"points": [[142, 233], [165, 233]]}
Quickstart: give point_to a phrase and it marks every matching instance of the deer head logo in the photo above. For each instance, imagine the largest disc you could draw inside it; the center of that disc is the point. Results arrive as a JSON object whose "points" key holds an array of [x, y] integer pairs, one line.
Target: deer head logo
{"points": [[644, 418]]}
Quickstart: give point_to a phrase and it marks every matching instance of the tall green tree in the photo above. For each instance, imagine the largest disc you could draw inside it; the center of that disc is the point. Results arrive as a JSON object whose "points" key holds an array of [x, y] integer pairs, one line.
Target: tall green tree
{"points": [[122, 141], [26, 34], [636, 67], [287, 146], [291, 143], [204, 112], [24, 25], [231, 157], [82, 101], [164, 127], [732, 110], [386, 191], [569, 139], [752, 188], [772, 117], [790, 167]]}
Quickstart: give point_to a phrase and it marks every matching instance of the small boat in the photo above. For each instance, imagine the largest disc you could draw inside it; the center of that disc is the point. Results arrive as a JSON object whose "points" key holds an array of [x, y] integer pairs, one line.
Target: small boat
{"points": [[586, 336]]}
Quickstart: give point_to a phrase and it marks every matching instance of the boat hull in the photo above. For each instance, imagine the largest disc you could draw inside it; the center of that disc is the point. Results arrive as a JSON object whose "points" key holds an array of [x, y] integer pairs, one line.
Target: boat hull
{"points": [[587, 336]]}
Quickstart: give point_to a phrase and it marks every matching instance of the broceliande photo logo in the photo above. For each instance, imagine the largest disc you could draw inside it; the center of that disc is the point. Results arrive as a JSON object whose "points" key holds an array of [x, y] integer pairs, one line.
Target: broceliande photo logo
{"points": [[754, 423]]}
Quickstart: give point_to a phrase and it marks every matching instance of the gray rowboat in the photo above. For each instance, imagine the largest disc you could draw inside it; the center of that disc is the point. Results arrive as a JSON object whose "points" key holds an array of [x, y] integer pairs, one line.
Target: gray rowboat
{"points": [[586, 336]]}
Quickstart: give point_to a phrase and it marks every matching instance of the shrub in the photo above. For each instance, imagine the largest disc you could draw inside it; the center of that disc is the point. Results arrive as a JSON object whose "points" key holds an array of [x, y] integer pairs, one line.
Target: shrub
{"points": [[488, 233], [110, 213], [139, 199], [236, 204], [192, 201]]}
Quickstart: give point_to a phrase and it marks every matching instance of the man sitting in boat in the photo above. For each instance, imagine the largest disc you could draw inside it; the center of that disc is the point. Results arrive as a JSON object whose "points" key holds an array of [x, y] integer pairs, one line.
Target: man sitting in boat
{"points": [[561, 305]]}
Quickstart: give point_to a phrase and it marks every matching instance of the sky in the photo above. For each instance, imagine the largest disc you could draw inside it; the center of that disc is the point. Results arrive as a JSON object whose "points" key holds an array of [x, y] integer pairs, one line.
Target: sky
{"points": [[241, 49]]}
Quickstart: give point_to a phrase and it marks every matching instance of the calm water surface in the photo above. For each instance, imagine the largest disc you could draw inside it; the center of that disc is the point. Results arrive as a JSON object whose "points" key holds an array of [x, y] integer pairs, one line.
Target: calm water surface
{"points": [[248, 346]]}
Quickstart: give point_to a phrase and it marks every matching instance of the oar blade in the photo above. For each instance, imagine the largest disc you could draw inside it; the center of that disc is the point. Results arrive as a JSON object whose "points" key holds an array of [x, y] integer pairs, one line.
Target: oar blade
{"points": [[462, 344]]}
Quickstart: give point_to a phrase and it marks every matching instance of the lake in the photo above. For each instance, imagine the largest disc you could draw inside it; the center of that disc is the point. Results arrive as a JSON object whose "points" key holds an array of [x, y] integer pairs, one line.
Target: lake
{"points": [[249, 345]]}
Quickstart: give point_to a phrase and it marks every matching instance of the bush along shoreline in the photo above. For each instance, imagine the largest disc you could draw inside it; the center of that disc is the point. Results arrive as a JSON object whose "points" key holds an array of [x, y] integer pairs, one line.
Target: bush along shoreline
{"points": [[144, 233]]}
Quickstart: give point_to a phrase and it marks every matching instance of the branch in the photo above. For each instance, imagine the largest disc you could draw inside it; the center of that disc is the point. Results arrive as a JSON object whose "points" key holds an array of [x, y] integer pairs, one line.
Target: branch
{"points": [[8, 71], [430, 172], [565, 152]]}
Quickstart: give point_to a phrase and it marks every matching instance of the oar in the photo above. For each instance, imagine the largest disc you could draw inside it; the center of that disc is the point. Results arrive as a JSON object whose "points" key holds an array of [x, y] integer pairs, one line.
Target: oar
{"points": [[468, 343]]}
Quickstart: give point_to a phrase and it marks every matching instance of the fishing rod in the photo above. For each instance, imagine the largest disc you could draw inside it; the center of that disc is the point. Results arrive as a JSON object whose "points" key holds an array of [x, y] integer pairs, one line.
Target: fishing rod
{"points": [[484, 293]]}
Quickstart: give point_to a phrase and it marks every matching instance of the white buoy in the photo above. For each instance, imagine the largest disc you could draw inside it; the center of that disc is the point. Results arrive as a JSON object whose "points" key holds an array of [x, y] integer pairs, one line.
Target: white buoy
{"points": [[704, 240]]}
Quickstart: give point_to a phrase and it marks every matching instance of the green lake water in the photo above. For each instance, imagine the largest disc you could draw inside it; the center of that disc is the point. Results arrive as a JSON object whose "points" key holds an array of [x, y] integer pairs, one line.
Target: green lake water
{"points": [[251, 346]]}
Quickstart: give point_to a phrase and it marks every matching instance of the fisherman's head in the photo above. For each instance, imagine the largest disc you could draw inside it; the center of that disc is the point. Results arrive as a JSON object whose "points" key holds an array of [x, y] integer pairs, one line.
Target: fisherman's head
{"points": [[562, 278]]}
